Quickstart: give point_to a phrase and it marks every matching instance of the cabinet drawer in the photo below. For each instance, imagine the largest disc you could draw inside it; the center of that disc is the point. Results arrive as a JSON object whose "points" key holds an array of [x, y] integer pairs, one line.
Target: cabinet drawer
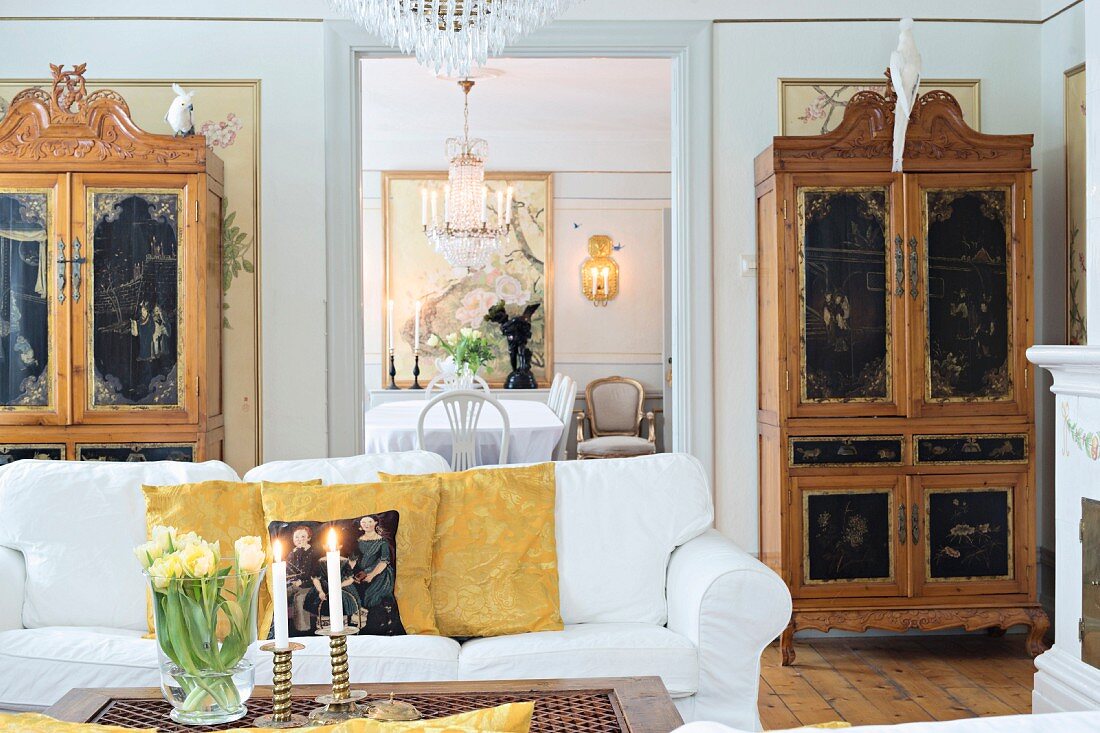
{"points": [[135, 452], [840, 450], [10, 452], [956, 450]]}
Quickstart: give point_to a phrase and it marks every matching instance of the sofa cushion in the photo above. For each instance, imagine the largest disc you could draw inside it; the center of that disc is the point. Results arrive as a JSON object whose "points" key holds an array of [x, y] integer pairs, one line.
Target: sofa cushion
{"points": [[616, 445], [38, 666], [587, 650], [618, 521], [77, 524], [412, 658], [350, 469]]}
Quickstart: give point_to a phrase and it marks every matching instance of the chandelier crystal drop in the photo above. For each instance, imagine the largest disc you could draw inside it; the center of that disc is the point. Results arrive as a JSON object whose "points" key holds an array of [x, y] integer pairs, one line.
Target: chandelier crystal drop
{"points": [[451, 36], [465, 238]]}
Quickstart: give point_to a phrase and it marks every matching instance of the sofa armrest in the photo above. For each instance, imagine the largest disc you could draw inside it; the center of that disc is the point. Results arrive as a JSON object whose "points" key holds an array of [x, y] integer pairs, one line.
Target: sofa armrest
{"points": [[731, 606], [13, 579]]}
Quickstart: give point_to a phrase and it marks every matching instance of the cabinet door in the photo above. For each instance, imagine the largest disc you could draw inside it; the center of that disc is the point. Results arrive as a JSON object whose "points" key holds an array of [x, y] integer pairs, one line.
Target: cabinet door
{"points": [[34, 305], [135, 452], [847, 312], [134, 343], [846, 536], [969, 323], [969, 534]]}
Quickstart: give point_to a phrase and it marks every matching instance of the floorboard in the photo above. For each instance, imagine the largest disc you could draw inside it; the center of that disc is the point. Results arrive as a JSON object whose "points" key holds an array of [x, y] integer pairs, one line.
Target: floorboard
{"points": [[875, 679]]}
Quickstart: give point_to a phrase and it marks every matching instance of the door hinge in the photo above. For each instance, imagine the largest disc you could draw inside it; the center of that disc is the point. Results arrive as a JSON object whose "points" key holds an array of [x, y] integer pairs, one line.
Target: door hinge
{"points": [[787, 380], [1081, 530], [789, 498], [1025, 208], [196, 210], [1080, 629], [784, 209]]}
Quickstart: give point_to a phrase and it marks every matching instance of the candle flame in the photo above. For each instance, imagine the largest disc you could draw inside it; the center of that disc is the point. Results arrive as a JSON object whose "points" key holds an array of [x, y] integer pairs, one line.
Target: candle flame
{"points": [[332, 540], [277, 550]]}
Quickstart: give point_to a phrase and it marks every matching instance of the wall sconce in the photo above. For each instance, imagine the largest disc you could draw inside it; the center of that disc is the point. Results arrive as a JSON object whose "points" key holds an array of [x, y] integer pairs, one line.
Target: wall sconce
{"points": [[600, 272]]}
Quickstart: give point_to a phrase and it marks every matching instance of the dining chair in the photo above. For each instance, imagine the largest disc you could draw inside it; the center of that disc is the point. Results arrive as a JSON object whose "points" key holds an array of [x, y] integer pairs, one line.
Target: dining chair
{"points": [[463, 408], [615, 411], [563, 408], [555, 391], [437, 384]]}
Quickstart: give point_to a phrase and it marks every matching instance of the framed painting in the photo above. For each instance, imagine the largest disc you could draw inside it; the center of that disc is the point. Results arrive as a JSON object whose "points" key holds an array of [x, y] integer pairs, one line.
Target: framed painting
{"points": [[816, 106], [452, 299], [1076, 331], [227, 112]]}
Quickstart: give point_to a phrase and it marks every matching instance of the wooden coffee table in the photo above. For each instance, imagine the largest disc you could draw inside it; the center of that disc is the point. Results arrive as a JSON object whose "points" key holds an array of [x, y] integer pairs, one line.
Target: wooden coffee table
{"points": [[602, 705]]}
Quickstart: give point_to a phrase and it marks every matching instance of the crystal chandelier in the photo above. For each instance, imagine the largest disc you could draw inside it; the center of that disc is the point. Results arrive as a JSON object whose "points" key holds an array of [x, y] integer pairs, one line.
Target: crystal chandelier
{"points": [[451, 36], [465, 238]]}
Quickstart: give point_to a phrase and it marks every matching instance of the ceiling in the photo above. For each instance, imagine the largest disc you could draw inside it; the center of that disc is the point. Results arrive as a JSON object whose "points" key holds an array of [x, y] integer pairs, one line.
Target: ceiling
{"points": [[536, 99]]}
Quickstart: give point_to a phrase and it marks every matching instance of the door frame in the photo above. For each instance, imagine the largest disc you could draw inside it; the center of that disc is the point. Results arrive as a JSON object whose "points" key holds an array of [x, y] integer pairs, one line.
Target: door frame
{"points": [[688, 45]]}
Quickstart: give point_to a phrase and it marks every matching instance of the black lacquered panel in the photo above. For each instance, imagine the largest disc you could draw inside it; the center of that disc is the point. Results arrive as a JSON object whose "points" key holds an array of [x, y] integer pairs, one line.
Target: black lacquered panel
{"points": [[26, 286], [136, 452], [847, 536], [969, 534], [135, 304], [845, 451], [969, 303], [844, 302], [962, 449], [10, 452]]}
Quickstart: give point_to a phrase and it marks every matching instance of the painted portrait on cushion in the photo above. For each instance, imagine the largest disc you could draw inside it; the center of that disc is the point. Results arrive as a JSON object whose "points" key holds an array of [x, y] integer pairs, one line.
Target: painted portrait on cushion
{"points": [[368, 570], [816, 106], [454, 299]]}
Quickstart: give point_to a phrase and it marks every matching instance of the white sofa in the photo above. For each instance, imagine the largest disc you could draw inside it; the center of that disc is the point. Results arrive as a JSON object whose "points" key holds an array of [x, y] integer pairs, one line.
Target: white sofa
{"points": [[647, 588], [1079, 722]]}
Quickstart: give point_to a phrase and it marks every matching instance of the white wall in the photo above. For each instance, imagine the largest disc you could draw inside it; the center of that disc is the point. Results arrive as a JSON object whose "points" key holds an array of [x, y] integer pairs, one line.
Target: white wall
{"points": [[292, 155], [748, 59]]}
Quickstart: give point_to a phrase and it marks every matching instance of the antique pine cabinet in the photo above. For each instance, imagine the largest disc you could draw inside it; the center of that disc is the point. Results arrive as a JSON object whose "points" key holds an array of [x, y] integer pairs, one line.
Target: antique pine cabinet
{"points": [[895, 418], [110, 283]]}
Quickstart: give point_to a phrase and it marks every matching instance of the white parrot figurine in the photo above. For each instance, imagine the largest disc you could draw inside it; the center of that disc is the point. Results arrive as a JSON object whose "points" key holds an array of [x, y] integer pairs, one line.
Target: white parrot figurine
{"points": [[905, 67], [179, 116]]}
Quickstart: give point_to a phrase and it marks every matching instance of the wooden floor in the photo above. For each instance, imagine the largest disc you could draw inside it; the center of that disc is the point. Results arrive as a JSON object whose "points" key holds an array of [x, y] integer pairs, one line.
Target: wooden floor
{"points": [[867, 680]]}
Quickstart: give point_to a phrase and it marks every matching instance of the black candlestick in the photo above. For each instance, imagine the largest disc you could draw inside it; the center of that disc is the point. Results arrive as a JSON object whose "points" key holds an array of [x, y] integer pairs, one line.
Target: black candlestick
{"points": [[416, 370], [393, 373]]}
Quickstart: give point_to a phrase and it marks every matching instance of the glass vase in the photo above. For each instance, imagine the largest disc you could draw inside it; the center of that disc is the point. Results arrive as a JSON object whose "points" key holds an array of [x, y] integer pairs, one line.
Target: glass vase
{"points": [[204, 630]]}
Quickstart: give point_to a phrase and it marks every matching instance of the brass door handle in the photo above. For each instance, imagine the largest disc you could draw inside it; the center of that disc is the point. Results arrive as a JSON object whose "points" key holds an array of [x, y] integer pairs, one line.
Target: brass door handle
{"points": [[914, 276], [77, 261], [915, 523], [61, 270], [901, 524], [899, 265]]}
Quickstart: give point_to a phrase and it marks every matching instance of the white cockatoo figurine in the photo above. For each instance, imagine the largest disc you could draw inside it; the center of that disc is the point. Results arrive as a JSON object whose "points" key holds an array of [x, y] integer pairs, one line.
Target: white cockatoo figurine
{"points": [[905, 69], [179, 116]]}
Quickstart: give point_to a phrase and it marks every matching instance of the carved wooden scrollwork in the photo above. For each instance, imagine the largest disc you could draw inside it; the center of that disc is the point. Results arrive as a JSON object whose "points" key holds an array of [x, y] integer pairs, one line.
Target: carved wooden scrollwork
{"points": [[68, 125]]}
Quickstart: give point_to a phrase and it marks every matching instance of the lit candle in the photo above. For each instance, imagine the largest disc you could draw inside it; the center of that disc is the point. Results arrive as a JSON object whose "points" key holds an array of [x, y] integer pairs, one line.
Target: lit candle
{"points": [[335, 592], [500, 208], [416, 329], [606, 272], [389, 323], [508, 207], [424, 206], [435, 208], [484, 204], [279, 591], [595, 281]]}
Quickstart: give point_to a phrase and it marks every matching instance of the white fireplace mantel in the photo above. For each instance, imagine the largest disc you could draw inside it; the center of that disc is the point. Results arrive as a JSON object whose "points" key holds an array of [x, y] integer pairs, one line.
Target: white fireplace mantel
{"points": [[1063, 682]]}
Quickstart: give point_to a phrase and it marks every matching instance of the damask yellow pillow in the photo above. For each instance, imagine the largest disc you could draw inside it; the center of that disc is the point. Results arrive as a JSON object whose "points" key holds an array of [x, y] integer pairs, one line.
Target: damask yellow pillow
{"points": [[414, 500], [39, 723], [495, 566], [217, 511]]}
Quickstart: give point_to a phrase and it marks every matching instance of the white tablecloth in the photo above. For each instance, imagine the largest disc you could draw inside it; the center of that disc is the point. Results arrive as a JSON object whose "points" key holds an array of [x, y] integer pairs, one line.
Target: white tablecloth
{"points": [[535, 430]]}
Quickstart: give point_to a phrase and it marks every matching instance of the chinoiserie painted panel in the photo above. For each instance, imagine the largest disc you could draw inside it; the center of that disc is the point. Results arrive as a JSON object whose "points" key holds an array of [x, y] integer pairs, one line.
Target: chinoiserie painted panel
{"points": [[946, 450], [136, 452], [10, 452], [834, 450]]}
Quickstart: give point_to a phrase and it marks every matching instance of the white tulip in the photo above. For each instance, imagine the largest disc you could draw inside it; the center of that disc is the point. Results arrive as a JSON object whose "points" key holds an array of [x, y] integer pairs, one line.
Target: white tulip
{"points": [[250, 554]]}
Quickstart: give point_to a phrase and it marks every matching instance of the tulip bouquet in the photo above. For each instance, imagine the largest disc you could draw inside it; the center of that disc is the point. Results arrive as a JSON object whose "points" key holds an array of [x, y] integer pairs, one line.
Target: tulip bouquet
{"points": [[205, 612], [468, 350]]}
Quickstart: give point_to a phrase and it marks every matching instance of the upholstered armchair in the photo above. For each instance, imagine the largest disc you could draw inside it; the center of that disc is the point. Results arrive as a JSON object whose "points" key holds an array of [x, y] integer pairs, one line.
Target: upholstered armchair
{"points": [[615, 411]]}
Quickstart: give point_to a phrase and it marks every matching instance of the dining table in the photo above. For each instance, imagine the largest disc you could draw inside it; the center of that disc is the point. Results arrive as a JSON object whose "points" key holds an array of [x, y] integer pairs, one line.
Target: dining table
{"points": [[534, 430]]}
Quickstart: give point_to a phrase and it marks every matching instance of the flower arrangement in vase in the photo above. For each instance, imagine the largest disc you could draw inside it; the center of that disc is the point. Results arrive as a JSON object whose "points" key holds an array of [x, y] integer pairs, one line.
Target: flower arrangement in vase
{"points": [[467, 352], [204, 611]]}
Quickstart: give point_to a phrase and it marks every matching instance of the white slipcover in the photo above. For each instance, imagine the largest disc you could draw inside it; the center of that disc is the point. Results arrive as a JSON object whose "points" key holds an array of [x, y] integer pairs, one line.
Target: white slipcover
{"points": [[634, 552], [77, 524], [1054, 723]]}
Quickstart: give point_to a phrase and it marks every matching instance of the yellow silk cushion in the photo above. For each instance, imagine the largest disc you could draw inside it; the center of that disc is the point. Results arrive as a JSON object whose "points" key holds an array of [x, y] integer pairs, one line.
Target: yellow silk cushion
{"points": [[495, 566], [39, 723], [415, 499], [217, 511]]}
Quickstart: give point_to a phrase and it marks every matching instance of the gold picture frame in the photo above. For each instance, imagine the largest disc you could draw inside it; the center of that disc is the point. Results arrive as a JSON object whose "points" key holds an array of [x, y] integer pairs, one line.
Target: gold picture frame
{"points": [[823, 100], [1075, 132], [419, 277]]}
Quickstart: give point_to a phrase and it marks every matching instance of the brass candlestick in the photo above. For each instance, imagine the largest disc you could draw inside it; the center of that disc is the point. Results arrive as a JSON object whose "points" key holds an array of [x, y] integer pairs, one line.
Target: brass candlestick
{"points": [[281, 717], [342, 704]]}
